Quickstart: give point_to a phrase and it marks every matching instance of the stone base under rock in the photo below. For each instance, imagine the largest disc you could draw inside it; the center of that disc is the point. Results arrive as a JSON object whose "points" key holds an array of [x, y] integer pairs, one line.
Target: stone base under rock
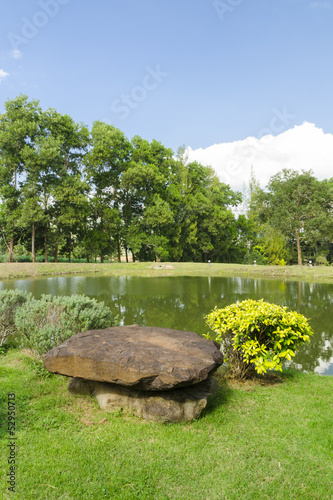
{"points": [[177, 405]]}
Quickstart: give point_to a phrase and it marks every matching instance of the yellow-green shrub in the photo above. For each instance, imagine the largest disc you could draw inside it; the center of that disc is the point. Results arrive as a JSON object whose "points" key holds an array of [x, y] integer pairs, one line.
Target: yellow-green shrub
{"points": [[256, 335]]}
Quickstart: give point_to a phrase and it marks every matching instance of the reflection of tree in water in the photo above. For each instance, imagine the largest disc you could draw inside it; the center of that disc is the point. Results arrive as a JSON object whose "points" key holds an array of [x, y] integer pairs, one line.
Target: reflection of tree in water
{"points": [[162, 311], [314, 300], [180, 307], [182, 303]]}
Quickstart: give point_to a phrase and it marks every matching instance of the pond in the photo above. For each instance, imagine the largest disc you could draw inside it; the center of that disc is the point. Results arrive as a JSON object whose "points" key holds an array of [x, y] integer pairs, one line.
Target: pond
{"points": [[182, 303]]}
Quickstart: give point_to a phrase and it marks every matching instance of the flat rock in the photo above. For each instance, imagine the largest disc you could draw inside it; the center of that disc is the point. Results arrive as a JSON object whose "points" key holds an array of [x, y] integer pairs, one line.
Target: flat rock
{"points": [[177, 405], [146, 358]]}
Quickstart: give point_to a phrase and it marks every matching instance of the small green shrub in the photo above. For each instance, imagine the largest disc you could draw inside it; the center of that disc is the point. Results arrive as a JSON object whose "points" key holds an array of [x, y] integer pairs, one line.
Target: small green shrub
{"points": [[74, 260], [47, 322], [22, 258], [10, 301], [321, 260], [255, 256], [257, 336], [20, 249], [16, 257]]}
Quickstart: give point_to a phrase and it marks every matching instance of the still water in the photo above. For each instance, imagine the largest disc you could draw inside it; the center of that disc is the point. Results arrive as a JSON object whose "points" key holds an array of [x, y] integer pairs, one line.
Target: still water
{"points": [[182, 303]]}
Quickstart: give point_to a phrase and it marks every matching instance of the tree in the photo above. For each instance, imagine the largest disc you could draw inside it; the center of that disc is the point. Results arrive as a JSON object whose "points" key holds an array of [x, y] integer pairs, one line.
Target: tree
{"points": [[42, 164], [271, 245], [201, 206], [105, 164], [296, 203], [145, 200], [70, 190], [70, 207], [19, 126], [216, 221], [100, 192]]}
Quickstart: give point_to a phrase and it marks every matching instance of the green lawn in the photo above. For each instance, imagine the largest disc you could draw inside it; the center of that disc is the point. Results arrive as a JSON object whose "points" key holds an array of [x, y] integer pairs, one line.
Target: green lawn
{"points": [[304, 273], [268, 439]]}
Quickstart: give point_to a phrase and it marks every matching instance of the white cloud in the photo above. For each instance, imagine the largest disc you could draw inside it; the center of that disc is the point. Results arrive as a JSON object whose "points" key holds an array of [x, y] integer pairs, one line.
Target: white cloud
{"points": [[3, 75], [303, 147], [16, 54], [320, 5]]}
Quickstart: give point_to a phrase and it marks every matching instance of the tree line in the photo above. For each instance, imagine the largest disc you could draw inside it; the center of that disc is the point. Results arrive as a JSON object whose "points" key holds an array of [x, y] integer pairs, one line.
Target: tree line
{"points": [[69, 191]]}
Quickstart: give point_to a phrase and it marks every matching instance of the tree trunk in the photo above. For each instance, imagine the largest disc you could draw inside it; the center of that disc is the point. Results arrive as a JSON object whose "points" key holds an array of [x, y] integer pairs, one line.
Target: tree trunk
{"points": [[299, 253], [299, 301], [33, 244], [11, 249], [87, 255], [102, 259], [126, 253], [118, 249], [45, 240], [70, 247], [55, 254], [133, 257]]}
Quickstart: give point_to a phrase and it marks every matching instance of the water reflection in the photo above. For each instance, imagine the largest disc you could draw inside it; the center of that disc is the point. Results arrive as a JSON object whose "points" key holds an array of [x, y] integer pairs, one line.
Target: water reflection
{"points": [[182, 303]]}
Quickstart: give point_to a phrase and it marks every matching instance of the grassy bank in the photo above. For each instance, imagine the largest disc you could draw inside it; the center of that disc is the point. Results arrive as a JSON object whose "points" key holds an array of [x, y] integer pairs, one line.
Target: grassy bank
{"points": [[24, 270], [266, 439]]}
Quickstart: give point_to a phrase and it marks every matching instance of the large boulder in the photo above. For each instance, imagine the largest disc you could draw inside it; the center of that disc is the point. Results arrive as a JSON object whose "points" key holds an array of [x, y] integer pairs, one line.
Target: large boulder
{"points": [[177, 405], [146, 358]]}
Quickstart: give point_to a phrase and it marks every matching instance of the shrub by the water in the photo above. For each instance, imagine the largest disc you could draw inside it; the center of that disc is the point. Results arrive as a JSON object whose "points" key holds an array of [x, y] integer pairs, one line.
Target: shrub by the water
{"points": [[257, 336], [47, 322], [16, 258], [10, 301], [41, 259], [255, 256], [321, 260]]}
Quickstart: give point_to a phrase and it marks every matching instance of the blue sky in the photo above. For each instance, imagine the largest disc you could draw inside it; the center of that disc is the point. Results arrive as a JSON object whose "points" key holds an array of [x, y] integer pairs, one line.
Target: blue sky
{"points": [[193, 72]]}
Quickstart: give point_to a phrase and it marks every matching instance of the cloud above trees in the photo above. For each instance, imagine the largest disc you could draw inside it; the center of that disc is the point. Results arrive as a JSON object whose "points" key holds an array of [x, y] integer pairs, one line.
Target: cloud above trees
{"points": [[304, 147]]}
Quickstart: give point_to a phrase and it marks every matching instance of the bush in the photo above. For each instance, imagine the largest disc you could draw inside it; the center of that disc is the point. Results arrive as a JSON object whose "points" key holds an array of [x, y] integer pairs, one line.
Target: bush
{"points": [[22, 258], [257, 336], [255, 256], [49, 321], [321, 260], [41, 258], [16, 258], [10, 301], [74, 260]]}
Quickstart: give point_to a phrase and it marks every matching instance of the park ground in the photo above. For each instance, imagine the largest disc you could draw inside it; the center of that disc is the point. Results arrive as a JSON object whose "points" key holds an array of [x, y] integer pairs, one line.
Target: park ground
{"points": [[319, 274], [269, 438]]}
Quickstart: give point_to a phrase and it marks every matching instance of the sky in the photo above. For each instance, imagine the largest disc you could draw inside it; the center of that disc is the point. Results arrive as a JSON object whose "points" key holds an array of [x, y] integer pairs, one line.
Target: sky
{"points": [[238, 82], [303, 147]]}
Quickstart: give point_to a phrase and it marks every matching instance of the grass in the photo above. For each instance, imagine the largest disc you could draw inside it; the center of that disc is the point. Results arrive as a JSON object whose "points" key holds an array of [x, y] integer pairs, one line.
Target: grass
{"points": [[322, 274], [271, 438]]}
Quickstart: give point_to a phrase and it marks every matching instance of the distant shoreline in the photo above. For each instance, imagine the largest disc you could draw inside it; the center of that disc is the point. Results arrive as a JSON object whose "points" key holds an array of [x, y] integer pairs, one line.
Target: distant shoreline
{"points": [[318, 274]]}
